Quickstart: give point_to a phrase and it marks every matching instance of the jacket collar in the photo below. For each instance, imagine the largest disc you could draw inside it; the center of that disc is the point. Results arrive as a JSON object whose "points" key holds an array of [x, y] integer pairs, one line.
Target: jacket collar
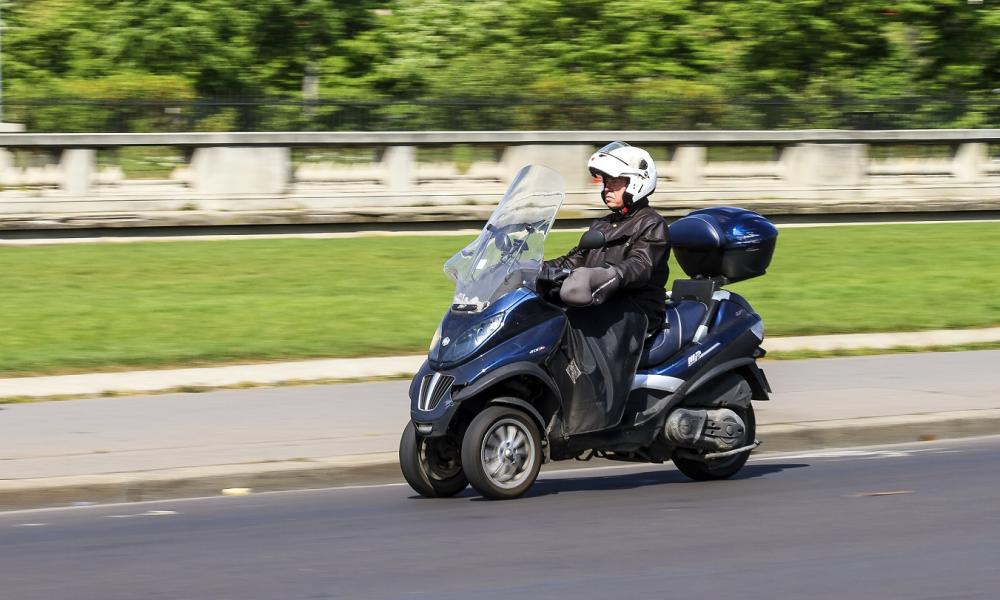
{"points": [[626, 212]]}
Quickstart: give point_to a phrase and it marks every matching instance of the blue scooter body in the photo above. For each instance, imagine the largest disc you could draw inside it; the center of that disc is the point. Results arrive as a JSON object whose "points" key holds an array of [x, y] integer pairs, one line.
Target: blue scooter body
{"points": [[533, 331], [513, 348]]}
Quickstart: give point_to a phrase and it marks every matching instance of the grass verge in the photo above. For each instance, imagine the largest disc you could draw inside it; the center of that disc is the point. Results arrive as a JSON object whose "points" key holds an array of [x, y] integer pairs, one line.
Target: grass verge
{"points": [[81, 308]]}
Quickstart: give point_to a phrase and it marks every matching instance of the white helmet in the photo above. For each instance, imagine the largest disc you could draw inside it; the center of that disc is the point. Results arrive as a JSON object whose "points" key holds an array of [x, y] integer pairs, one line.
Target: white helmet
{"points": [[618, 159]]}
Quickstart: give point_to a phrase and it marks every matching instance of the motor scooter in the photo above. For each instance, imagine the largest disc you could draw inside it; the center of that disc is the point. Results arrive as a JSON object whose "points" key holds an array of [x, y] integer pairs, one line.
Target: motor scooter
{"points": [[515, 378]]}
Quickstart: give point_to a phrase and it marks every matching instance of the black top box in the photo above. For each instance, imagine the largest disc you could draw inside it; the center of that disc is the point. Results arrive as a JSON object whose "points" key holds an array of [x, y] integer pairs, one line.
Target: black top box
{"points": [[723, 242]]}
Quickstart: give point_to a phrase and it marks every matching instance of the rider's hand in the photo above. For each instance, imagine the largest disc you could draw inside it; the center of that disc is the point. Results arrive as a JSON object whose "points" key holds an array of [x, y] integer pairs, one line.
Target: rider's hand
{"points": [[605, 282], [590, 286], [554, 275], [548, 282]]}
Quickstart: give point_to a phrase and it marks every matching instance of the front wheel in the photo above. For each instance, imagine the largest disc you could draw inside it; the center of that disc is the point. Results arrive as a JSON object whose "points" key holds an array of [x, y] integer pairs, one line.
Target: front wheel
{"points": [[502, 452], [432, 466]]}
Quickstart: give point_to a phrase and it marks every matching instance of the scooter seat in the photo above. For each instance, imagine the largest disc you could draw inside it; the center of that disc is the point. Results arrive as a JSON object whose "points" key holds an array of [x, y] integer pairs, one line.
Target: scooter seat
{"points": [[682, 321]]}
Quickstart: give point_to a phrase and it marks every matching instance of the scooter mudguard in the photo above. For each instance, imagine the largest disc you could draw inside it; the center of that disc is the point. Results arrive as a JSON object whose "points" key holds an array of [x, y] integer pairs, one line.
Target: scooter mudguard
{"points": [[436, 395]]}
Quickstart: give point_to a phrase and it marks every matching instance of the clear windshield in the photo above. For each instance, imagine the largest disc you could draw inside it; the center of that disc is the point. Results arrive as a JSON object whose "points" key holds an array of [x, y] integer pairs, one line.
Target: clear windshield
{"points": [[509, 251]]}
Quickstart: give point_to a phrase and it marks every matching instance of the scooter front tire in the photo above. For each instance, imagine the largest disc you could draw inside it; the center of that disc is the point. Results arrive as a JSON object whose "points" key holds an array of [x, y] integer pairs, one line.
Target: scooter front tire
{"points": [[502, 452], [427, 479]]}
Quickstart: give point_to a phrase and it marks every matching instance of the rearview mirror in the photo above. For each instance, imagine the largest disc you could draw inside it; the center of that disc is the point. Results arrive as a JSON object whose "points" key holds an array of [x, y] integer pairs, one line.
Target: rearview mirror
{"points": [[592, 240]]}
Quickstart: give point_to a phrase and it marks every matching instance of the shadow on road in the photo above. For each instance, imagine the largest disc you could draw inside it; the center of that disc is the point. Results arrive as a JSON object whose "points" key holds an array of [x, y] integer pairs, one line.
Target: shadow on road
{"points": [[627, 481]]}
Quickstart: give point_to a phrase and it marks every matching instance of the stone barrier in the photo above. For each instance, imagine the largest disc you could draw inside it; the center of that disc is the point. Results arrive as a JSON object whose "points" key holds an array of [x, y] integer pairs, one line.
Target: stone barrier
{"points": [[67, 180]]}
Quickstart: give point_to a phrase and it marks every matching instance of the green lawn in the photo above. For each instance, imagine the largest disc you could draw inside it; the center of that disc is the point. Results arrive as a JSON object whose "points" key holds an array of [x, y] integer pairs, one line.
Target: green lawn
{"points": [[85, 307]]}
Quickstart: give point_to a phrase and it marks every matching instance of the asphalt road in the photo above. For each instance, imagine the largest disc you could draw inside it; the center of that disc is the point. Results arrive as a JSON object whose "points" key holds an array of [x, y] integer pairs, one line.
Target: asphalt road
{"points": [[917, 522]]}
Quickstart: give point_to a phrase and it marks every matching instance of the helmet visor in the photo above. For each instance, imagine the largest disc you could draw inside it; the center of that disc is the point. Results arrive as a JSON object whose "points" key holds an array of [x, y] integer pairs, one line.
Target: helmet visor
{"points": [[605, 163], [612, 147]]}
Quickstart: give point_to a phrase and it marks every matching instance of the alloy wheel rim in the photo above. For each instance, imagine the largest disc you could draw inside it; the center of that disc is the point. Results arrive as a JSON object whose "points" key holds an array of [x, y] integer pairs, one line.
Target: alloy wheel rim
{"points": [[508, 453]]}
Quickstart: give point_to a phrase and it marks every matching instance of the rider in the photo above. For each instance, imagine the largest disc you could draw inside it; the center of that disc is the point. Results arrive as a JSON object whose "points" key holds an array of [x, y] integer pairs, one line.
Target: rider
{"points": [[634, 256]]}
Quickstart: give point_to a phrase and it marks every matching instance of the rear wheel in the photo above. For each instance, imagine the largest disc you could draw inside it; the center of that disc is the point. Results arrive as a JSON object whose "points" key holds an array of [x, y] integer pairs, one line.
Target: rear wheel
{"points": [[726, 467], [432, 466], [502, 452]]}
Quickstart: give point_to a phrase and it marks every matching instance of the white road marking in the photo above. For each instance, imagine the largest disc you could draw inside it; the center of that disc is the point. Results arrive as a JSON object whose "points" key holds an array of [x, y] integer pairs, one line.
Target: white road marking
{"points": [[360, 486], [31, 525], [875, 494], [148, 513], [841, 454]]}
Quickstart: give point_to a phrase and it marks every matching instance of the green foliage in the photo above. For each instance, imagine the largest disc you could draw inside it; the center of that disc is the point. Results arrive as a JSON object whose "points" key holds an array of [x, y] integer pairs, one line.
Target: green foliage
{"points": [[94, 104], [220, 48], [142, 162], [688, 105], [641, 63], [222, 120]]}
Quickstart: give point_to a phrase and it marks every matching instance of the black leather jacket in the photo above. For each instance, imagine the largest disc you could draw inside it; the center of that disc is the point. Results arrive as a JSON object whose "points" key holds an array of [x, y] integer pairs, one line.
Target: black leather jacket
{"points": [[638, 248]]}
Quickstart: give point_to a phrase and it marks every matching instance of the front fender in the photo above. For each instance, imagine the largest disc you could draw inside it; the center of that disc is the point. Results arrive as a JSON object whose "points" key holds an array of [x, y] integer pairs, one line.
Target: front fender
{"points": [[526, 407], [506, 372], [519, 355]]}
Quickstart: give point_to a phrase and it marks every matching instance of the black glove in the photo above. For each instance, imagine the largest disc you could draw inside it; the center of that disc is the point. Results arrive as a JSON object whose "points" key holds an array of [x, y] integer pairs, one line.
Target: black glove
{"points": [[553, 275], [548, 282]]}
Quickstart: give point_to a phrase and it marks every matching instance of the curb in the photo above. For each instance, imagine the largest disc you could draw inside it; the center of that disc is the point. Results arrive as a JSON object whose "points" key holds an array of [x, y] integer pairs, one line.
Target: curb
{"points": [[383, 467], [308, 371], [809, 435], [197, 482], [881, 341]]}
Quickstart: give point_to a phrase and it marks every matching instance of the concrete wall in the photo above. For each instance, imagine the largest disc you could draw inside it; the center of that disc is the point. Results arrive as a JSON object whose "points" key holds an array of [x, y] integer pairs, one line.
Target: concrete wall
{"points": [[246, 172], [241, 170]]}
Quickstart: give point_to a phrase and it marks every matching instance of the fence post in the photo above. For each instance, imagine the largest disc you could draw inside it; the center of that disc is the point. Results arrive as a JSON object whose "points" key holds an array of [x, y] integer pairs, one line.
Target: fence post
{"points": [[399, 164], [77, 165], [970, 160], [825, 164], [687, 165], [570, 160]]}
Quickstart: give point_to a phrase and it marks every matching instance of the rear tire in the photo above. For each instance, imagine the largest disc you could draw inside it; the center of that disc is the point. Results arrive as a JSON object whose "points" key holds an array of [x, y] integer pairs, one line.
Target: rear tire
{"points": [[432, 466], [722, 468], [502, 452]]}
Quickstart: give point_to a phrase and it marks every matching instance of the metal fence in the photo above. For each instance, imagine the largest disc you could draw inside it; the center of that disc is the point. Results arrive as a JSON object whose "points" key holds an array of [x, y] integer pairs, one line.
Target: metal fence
{"points": [[495, 114]]}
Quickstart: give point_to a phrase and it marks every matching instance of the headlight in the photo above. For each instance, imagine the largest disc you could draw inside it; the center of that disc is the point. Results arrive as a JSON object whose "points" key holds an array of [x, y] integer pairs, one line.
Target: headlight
{"points": [[452, 350]]}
